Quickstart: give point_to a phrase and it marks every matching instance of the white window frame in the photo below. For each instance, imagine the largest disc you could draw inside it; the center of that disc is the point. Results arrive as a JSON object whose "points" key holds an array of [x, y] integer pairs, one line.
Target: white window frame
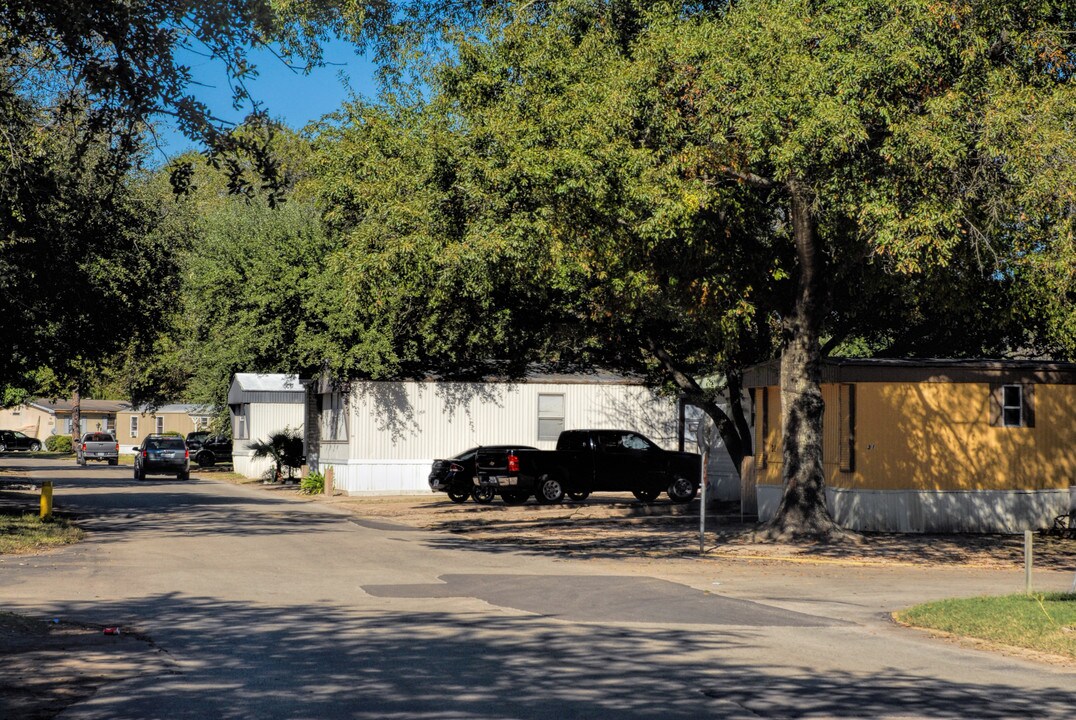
{"points": [[550, 417], [242, 423], [1006, 406], [158, 424], [134, 426]]}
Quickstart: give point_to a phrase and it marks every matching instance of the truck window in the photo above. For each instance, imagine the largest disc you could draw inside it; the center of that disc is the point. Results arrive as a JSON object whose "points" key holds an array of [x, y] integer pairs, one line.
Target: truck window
{"points": [[610, 441], [573, 441], [631, 441]]}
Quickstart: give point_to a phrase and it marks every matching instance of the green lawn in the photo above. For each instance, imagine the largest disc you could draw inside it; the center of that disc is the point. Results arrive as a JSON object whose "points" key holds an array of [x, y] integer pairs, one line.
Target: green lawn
{"points": [[1046, 623], [26, 532]]}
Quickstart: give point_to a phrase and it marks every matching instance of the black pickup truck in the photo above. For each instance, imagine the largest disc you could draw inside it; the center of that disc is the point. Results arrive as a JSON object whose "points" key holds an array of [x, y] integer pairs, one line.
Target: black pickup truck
{"points": [[587, 461]]}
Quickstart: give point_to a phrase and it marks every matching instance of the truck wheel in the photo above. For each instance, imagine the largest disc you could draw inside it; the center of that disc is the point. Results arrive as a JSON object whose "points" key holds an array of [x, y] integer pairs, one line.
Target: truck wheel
{"points": [[514, 497], [483, 495], [550, 490], [578, 496], [113, 461], [646, 495], [205, 459], [458, 496], [682, 490]]}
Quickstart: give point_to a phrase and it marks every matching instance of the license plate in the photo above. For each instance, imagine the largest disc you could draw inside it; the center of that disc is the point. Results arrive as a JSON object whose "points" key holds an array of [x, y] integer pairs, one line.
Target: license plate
{"points": [[500, 480], [169, 455]]}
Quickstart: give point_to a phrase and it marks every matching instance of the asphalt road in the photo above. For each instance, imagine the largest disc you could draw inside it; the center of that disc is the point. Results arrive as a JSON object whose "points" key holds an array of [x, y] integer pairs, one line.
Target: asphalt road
{"points": [[262, 606]]}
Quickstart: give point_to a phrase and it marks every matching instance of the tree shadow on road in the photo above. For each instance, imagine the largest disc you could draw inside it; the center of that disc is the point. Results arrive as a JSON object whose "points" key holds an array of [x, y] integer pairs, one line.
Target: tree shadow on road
{"points": [[256, 660]]}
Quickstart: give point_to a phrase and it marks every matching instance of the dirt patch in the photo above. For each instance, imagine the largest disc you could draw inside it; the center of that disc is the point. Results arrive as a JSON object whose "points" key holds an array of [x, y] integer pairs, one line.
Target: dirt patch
{"points": [[46, 666], [618, 526]]}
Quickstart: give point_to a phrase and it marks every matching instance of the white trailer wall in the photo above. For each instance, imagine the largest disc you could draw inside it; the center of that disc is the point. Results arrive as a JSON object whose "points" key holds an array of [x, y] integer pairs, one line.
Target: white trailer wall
{"points": [[396, 429], [260, 405]]}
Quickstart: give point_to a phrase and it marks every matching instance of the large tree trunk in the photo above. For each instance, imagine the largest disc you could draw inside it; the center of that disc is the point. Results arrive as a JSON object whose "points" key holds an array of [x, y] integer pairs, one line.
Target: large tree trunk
{"points": [[76, 416], [735, 385], [736, 445], [803, 507]]}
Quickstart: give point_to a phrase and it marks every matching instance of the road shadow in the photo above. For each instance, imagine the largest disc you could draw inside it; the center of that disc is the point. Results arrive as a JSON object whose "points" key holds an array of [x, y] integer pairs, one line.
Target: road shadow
{"points": [[245, 660], [170, 507], [655, 531]]}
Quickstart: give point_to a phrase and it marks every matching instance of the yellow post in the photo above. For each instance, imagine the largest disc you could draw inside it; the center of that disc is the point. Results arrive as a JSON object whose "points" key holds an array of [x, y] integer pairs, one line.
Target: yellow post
{"points": [[46, 500]]}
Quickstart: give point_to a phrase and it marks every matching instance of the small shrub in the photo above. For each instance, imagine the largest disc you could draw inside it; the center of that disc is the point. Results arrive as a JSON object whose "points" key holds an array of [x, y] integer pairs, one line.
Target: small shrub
{"points": [[59, 444], [313, 484]]}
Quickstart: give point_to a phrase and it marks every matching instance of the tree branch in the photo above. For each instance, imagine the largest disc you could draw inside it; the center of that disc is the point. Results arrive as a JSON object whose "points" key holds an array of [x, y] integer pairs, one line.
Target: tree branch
{"points": [[750, 178], [728, 430]]}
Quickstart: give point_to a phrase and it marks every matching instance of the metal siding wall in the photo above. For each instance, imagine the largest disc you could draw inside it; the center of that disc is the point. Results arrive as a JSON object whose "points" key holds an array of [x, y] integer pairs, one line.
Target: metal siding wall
{"points": [[937, 436], [396, 429], [267, 418], [273, 398], [771, 442], [931, 511], [1055, 426], [411, 420], [928, 460], [830, 431]]}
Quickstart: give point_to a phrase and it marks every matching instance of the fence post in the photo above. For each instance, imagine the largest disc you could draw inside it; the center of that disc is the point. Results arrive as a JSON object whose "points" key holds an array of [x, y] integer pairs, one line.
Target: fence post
{"points": [[329, 478], [1027, 562], [46, 500]]}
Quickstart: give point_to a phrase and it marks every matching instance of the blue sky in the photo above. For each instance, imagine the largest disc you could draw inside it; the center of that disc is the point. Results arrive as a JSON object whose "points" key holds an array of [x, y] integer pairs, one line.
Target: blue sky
{"points": [[294, 98]]}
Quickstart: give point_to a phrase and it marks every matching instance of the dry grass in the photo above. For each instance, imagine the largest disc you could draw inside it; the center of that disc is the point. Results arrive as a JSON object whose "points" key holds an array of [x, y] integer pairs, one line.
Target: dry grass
{"points": [[27, 533]]}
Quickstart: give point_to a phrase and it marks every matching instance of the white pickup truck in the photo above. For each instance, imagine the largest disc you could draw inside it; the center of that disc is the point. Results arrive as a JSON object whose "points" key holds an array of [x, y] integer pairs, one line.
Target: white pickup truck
{"points": [[98, 446]]}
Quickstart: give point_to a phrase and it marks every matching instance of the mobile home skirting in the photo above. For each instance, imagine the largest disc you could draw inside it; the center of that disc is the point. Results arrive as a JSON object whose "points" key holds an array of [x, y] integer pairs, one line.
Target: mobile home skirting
{"points": [[919, 511], [380, 477], [245, 464]]}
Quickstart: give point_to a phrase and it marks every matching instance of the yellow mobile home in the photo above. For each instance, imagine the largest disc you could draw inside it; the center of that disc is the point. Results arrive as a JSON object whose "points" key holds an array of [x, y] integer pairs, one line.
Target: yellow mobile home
{"points": [[932, 445]]}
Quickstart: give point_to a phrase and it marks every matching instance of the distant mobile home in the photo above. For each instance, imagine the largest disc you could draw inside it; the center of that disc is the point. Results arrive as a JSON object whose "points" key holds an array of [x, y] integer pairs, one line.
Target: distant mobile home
{"points": [[132, 425], [932, 445], [261, 404], [382, 437], [40, 418]]}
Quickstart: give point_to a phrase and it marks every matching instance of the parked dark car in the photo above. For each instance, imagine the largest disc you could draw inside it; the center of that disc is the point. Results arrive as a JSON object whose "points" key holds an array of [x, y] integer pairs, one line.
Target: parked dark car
{"points": [[15, 440], [211, 450], [587, 461], [195, 440], [455, 475], [162, 455]]}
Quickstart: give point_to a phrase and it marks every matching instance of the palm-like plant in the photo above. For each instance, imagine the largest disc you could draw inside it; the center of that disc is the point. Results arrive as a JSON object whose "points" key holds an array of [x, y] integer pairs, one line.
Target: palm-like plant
{"points": [[284, 447]]}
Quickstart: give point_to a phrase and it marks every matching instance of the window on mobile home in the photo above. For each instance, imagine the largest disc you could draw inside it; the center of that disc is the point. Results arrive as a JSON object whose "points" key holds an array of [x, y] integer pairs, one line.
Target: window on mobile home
{"points": [[1012, 406], [550, 416]]}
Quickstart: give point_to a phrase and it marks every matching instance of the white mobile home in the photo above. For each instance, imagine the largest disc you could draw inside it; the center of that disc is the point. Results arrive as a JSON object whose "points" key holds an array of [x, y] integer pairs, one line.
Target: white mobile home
{"points": [[382, 437], [261, 404]]}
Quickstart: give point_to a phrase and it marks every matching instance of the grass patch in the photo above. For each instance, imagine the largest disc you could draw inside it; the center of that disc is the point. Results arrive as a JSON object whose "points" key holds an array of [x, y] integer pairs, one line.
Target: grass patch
{"points": [[1042, 622], [26, 533]]}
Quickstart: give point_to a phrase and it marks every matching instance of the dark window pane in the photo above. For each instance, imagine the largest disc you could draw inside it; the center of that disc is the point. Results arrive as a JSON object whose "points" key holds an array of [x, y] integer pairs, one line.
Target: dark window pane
{"points": [[1012, 417], [1012, 396]]}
